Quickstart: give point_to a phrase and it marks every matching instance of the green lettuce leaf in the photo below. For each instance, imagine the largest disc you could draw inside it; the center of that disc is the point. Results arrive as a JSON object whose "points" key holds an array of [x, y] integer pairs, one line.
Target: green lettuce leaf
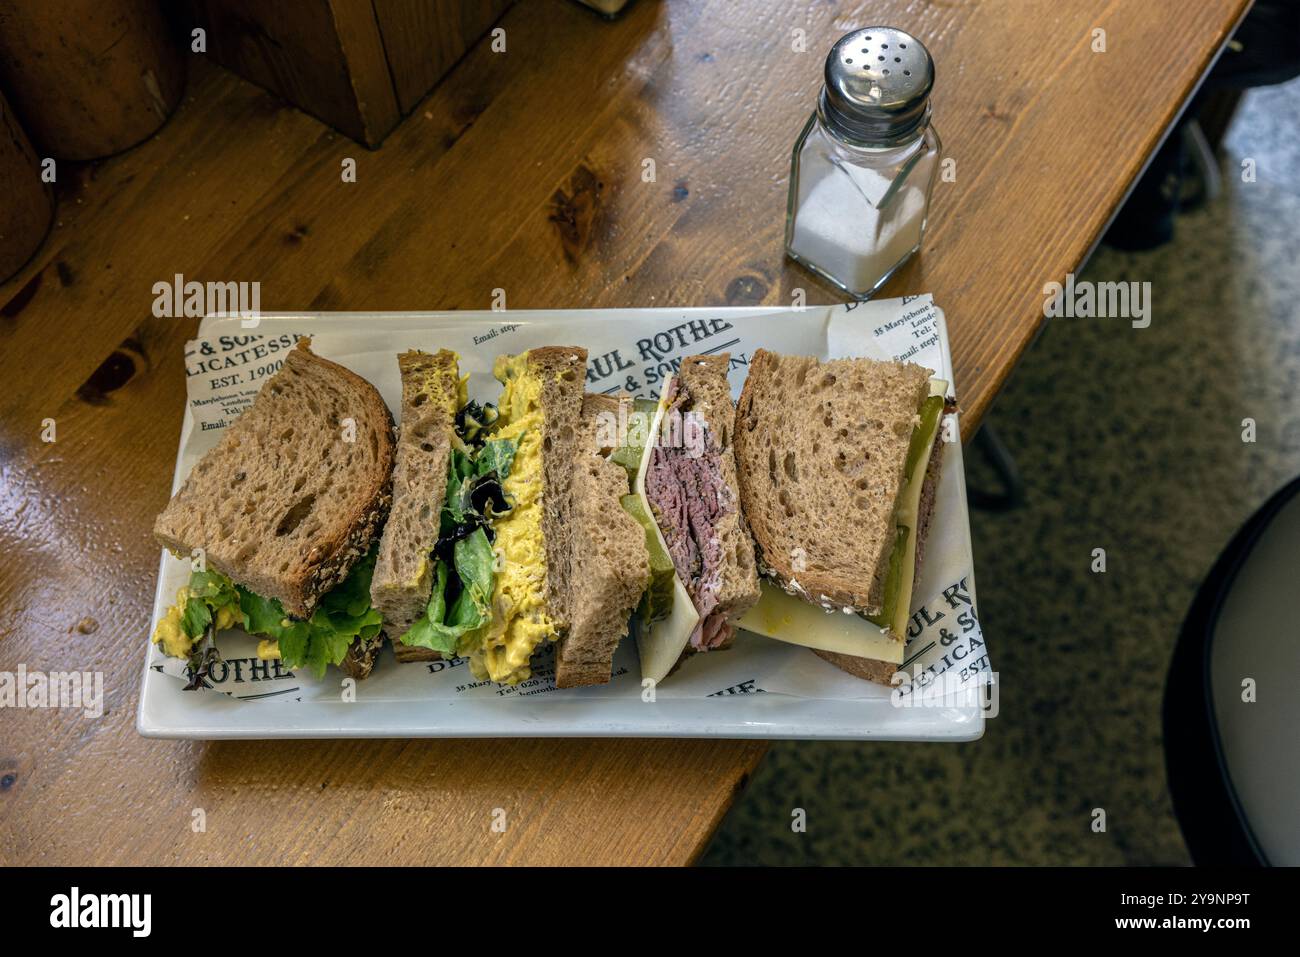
{"points": [[497, 455], [441, 628], [195, 617], [430, 630], [209, 593], [264, 616], [475, 561], [460, 475], [484, 471], [463, 559], [343, 615]]}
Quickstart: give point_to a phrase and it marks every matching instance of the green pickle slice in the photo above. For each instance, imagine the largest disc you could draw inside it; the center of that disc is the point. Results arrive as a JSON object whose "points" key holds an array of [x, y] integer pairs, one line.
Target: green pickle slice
{"points": [[922, 437], [657, 602], [637, 438]]}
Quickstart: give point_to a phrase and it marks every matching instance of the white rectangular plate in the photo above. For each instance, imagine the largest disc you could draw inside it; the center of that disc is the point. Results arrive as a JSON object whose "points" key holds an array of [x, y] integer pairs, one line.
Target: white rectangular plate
{"points": [[760, 689]]}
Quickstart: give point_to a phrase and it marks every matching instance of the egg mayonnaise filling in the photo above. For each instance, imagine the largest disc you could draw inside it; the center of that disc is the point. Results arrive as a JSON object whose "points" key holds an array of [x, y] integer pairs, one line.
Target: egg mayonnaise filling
{"points": [[502, 648], [170, 631], [211, 603]]}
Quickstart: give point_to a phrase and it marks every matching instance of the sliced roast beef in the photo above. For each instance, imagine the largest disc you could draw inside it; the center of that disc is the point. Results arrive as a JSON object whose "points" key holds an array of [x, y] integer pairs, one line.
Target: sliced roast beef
{"points": [[685, 488]]}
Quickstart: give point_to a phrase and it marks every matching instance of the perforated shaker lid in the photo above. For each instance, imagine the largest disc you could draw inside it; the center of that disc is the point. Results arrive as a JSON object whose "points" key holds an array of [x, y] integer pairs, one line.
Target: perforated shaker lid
{"points": [[878, 83]]}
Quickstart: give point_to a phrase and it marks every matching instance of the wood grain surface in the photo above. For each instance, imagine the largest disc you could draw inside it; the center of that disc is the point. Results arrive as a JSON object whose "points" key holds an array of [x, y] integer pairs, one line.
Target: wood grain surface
{"points": [[522, 171]]}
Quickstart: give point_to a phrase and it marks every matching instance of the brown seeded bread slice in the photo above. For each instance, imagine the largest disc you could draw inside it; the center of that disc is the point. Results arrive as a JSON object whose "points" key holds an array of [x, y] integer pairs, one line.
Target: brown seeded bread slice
{"points": [[296, 490], [610, 566], [870, 669], [821, 448], [705, 379], [929, 496], [361, 656], [562, 371], [403, 575]]}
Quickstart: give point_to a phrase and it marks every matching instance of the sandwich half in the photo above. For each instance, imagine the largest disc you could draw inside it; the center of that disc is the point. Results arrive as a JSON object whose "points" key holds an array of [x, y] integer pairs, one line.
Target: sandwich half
{"points": [[482, 541], [688, 479], [278, 521], [610, 567], [539, 410], [838, 462], [432, 394]]}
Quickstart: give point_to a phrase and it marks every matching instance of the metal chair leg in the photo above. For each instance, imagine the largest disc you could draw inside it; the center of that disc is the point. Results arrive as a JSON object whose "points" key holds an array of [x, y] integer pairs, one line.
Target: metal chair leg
{"points": [[1012, 493]]}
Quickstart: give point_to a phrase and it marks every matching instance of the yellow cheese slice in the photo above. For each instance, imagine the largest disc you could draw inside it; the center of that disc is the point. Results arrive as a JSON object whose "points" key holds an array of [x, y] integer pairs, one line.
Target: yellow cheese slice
{"points": [[790, 619], [661, 644], [786, 618]]}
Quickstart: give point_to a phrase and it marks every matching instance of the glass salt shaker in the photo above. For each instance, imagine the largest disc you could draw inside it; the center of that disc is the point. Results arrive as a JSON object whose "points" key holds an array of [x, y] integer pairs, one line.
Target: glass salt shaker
{"points": [[865, 163]]}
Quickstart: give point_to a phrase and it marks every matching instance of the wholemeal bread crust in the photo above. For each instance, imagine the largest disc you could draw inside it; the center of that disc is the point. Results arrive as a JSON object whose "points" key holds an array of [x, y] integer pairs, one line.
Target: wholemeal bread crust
{"points": [[597, 404], [868, 669], [832, 591], [329, 560], [610, 563], [430, 394], [361, 656], [405, 654], [562, 371]]}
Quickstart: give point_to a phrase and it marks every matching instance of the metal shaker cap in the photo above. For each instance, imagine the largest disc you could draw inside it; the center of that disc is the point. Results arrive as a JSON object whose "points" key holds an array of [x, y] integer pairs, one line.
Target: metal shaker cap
{"points": [[878, 83]]}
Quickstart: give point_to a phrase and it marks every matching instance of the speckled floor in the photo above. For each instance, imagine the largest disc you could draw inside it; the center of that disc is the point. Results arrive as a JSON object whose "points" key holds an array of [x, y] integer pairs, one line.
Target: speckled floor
{"points": [[1130, 440]]}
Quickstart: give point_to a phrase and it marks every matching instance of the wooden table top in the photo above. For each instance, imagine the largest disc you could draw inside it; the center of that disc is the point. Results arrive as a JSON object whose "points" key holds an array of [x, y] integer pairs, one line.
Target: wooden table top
{"points": [[522, 171]]}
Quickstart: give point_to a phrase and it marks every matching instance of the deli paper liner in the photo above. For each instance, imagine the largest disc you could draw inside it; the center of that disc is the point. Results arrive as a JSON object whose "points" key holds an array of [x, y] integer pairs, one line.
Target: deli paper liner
{"points": [[630, 350]]}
